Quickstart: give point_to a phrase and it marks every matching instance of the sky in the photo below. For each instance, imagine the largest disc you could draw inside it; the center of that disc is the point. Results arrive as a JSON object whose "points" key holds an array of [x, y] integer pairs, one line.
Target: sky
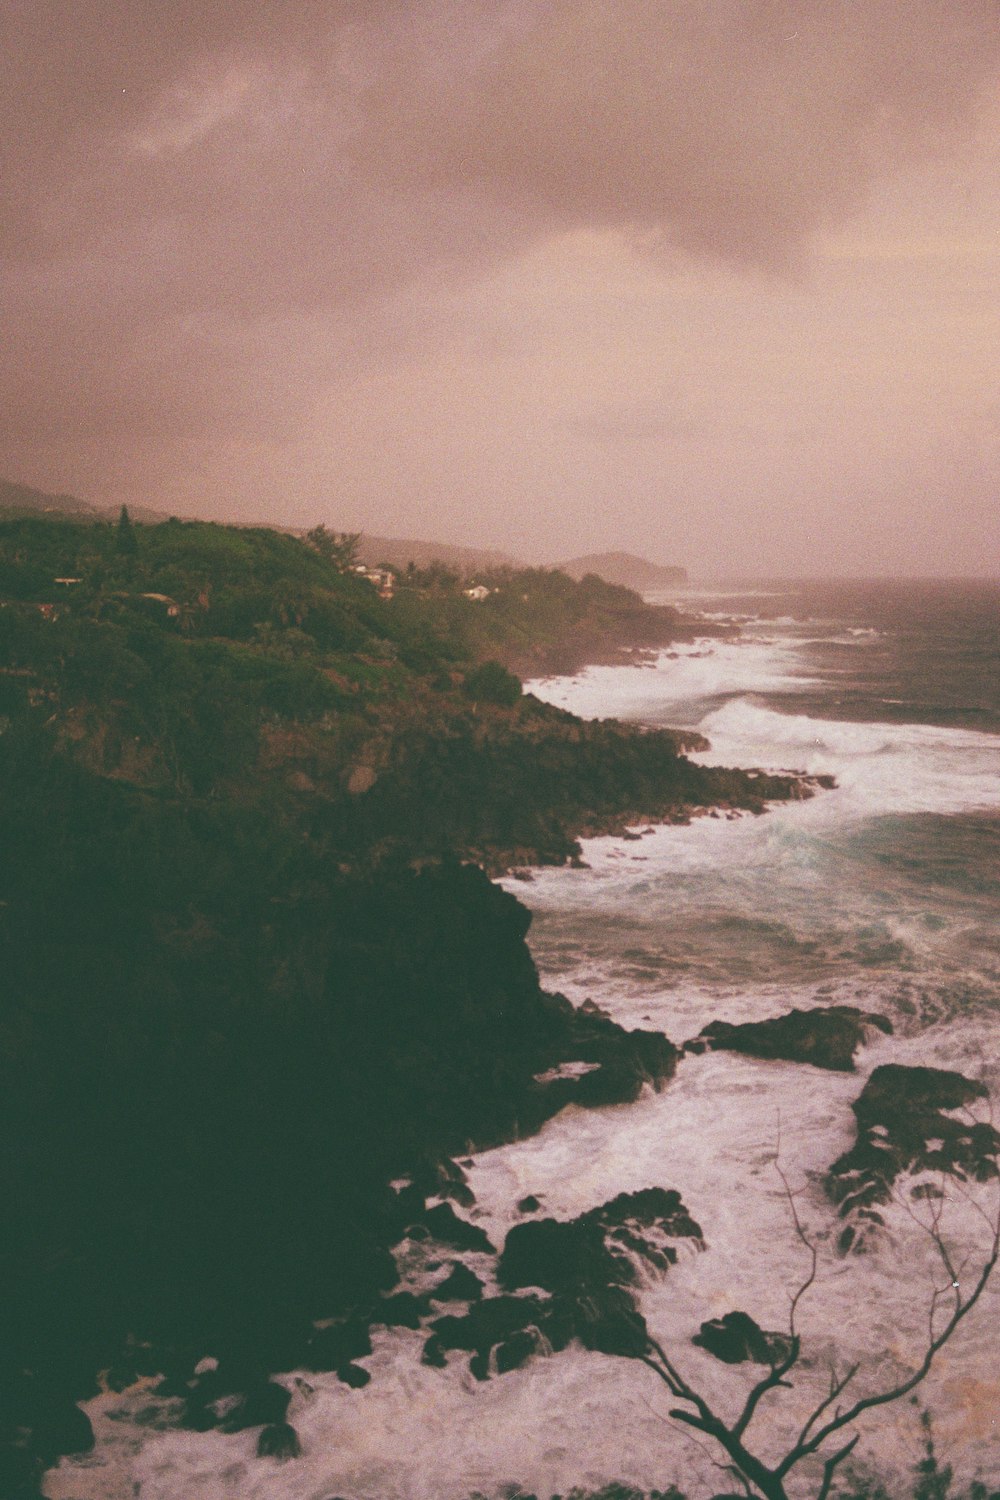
{"points": [[715, 282]]}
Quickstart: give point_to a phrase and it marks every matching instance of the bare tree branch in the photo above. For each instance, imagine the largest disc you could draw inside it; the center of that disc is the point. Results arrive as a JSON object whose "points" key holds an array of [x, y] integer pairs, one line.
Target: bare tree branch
{"points": [[832, 1463], [757, 1477], [882, 1398]]}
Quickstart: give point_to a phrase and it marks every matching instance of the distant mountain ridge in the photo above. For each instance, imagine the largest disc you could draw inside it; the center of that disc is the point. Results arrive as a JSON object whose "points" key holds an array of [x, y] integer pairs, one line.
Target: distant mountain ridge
{"points": [[614, 567], [23, 500], [627, 569], [401, 550]]}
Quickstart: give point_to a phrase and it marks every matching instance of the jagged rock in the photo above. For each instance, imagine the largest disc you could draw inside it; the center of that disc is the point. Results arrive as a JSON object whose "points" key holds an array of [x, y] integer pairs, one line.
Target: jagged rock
{"points": [[279, 1440], [559, 1256], [557, 1323], [462, 1285], [262, 1405], [402, 1310], [592, 1251], [445, 1178], [904, 1125], [487, 1323], [444, 1224], [826, 1038], [735, 1338], [589, 1264], [433, 1353], [330, 1348], [58, 1426], [515, 1351], [609, 1322]]}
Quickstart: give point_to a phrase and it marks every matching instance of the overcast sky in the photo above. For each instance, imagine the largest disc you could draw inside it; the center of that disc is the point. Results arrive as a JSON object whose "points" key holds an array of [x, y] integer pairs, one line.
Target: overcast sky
{"points": [[711, 280]]}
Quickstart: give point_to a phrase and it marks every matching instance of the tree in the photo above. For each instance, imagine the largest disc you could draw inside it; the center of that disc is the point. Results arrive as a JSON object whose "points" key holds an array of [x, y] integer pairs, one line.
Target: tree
{"points": [[337, 547], [490, 682], [125, 538], [829, 1421]]}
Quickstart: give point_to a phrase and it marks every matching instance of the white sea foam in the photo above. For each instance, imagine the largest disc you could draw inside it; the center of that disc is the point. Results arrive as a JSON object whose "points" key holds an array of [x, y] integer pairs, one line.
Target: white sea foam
{"points": [[880, 768], [732, 919], [686, 678], [423, 1434]]}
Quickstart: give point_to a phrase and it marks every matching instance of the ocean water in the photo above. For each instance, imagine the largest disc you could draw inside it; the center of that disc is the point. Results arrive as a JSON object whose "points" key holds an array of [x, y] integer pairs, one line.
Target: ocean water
{"points": [[882, 893]]}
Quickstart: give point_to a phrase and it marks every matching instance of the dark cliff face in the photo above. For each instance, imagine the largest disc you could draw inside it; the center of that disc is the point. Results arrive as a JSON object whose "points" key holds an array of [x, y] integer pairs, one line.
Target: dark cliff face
{"points": [[247, 978], [201, 1137]]}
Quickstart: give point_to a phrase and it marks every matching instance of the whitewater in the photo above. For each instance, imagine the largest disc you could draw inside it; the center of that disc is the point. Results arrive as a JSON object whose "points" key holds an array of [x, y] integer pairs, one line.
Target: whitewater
{"points": [[881, 893]]}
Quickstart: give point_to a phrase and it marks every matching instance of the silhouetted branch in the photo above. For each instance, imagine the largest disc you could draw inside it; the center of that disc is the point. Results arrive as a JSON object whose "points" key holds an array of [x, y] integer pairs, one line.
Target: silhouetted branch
{"points": [[768, 1481]]}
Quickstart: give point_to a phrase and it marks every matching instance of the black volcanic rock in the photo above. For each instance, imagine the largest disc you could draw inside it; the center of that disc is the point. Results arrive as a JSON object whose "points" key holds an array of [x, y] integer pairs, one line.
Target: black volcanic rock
{"points": [[335, 1346], [487, 1323], [593, 1251], [402, 1310], [905, 1124], [584, 1269], [736, 1338], [445, 1225], [462, 1285], [825, 1038], [279, 1440], [263, 1404], [513, 1352]]}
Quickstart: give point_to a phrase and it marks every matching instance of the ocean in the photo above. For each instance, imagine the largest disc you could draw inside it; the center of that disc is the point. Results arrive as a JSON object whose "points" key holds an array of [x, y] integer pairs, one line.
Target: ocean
{"points": [[883, 893]]}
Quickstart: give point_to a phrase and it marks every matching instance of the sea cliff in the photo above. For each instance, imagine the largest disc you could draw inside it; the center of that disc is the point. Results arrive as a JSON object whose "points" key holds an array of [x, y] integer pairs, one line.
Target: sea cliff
{"points": [[254, 970]]}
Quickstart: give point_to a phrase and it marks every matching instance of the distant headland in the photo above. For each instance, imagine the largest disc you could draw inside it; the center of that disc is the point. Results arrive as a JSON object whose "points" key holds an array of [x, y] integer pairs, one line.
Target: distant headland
{"points": [[626, 569]]}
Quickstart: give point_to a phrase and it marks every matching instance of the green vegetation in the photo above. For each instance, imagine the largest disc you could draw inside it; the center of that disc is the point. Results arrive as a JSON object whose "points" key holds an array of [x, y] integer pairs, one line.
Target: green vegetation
{"points": [[246, 977]]}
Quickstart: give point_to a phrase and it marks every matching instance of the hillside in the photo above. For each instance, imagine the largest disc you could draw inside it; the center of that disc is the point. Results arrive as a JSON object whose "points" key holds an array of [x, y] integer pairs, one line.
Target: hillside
{"points": [[22, 500], [626, 569], [247, 978], [402, 550]]}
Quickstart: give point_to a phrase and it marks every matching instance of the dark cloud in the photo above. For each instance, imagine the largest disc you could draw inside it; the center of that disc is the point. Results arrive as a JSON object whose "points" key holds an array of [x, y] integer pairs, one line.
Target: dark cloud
{"points": [[192, 192]]}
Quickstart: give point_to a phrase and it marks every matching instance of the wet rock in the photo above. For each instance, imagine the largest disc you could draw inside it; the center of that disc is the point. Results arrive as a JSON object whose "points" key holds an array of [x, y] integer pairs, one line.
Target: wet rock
{"points": [[598, 1248], [609, 1322], [561, 1256], [825, 1038], [279, 1440], [462, 1285], [58, 1427], [433, 1353], [906, 1124], [444, 1224], [402, 1310], [330, 1348], [262, 1405], [487, 1323], [20, 1472], [557, 1323], [735, 1339], [442, 1177], [515, 1351]]}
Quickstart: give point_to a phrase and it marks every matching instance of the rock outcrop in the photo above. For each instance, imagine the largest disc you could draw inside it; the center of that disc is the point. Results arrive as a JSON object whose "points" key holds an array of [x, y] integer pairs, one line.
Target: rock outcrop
{"points": [[910, 1120], [825, 1038]]}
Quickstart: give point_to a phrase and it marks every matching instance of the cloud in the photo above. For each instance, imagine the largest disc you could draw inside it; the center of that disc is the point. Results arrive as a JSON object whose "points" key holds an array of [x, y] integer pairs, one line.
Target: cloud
{"points": [[205, 206]]}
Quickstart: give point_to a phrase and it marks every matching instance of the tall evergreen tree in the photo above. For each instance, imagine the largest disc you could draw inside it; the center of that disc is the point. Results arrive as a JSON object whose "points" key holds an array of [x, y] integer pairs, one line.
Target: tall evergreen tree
{"points": [[125, 541]]}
